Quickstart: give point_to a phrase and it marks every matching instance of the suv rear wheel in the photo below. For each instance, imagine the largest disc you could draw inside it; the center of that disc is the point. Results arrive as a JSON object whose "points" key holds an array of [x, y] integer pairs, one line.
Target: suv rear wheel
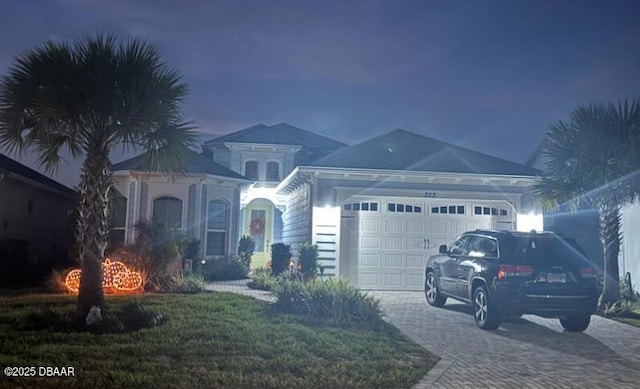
{"points": [[575, 323], [484, 312], [431, 291]]}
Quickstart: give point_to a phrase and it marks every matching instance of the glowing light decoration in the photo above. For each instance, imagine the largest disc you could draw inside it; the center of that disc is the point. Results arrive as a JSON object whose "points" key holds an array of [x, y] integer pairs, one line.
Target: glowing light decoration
{"points": [[117, 277]]}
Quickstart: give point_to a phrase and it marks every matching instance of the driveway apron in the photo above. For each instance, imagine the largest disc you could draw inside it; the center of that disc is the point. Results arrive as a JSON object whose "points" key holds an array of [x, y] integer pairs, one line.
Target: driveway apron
{"points": [[529, 352]]}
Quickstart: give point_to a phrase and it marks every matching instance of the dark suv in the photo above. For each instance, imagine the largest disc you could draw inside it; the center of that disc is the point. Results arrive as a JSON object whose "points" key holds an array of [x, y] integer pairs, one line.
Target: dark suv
{"points": [[506, 273]]}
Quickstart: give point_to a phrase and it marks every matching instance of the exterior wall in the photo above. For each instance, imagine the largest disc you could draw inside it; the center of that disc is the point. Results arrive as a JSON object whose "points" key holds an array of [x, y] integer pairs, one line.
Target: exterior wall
{"points": [[195, 193], [222, 156], [630, 250], [297, 218], [37, 220]]}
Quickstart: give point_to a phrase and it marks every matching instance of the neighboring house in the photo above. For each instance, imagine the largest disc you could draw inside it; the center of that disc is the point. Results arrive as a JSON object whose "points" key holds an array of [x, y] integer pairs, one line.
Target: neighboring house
{"points": [[34, 222], [377, 209], [584, 226]]}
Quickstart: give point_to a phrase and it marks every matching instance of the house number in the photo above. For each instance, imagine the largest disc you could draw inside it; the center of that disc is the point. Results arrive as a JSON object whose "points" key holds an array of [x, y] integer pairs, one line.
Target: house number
{"points": [[429, 194]]}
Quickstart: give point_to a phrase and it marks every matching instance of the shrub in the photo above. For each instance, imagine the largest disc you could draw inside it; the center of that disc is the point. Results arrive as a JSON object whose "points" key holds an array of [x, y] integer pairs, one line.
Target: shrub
{"points": [[626, 290], [55, 281], [309, 258], [334, 299], [246, 247], [622, 308], [223, 269], [185, 282], [135, 316], [154, 248], [280, 256], [262, 279]]}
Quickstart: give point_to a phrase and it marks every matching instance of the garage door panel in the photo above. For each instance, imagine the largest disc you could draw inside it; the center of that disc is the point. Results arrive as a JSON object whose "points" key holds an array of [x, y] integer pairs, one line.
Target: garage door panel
{"points": [[414, 226], [393, 280], [370, 243], [393, 260], [393, 243], [370, 225], [393, 226], [415, 243], [369, 279], [369, 259], [415, 261], [415, 281]]}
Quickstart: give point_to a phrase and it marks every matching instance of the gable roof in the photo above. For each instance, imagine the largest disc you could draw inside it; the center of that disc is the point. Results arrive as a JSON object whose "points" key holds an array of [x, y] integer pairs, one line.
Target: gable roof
{"points": [[279, 134], [15, 168], [201, 163], [404, 150]]}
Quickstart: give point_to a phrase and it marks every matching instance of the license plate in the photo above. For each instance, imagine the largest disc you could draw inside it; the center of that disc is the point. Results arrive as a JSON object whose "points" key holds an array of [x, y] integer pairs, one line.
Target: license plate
{"points": [[560, 278]]}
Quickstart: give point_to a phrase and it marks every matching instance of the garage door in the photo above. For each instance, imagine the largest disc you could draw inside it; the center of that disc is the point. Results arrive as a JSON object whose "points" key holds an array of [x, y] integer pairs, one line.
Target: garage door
{"points": [[392, 238]]}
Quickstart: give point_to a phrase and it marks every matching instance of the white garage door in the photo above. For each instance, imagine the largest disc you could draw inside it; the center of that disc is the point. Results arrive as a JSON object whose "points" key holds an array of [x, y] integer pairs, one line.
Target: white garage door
{"points": [[392, 238]]}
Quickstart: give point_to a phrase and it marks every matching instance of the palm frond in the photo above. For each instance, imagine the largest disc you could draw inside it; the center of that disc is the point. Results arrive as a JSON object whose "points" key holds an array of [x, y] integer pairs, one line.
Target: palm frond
{"points": [[590, 161], [169, 149]]}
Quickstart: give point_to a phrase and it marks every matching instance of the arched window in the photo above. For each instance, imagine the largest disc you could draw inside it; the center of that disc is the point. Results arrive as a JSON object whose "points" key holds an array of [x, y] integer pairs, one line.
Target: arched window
{"points": [[273, 171], [251, 170], [217, 221], [168, 211]]}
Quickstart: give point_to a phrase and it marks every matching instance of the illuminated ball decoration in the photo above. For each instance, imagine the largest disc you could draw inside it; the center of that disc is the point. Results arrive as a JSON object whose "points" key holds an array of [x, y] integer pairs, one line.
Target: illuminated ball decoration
{"points": [[117, 278]]}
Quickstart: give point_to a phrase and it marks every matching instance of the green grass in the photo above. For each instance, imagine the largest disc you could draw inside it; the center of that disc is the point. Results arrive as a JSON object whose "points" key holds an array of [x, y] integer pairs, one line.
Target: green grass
{"points": [[208, 341]]}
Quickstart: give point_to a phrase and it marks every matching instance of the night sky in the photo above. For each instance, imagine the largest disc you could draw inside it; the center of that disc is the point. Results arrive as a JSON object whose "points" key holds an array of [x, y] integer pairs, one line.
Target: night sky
{"points": [[488, 75]]}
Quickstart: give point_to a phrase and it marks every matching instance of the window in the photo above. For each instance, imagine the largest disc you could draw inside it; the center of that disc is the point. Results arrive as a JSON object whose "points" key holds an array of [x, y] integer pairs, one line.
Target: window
{"points": [[216, 227], [483, 247], [118, 220], [490, 211], [363, 206], [459, 247], [273, 171], [167, 210], [449, 209], [406, 208], [251, 169], [257, 229]]}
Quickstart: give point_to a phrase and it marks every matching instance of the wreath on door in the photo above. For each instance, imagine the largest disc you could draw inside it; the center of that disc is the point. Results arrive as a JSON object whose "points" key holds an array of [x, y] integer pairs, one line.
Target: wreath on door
{"points": [[257, 227]]}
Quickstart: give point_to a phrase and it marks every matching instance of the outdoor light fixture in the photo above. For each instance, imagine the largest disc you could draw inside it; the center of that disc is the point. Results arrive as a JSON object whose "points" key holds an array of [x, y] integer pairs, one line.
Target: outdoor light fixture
{"points": [[117, 278]]}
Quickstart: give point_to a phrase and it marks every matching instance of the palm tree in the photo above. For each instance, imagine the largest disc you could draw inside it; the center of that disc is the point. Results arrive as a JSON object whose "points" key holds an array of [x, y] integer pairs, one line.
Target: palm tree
{"points": [[593, 164], [90, 97]]}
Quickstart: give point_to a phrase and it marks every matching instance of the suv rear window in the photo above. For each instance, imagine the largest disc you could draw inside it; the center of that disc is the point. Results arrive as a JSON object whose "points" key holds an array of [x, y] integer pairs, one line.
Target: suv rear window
{"points": [[544, 251]]}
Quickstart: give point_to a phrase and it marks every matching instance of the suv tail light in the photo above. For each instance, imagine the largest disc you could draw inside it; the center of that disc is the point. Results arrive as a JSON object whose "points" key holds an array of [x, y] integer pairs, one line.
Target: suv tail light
{"points": [[505, 271], [588, 272]]}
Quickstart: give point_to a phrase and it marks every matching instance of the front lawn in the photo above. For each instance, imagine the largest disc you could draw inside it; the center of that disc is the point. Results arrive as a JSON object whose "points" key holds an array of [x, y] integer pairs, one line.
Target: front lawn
{"points": [[209, 340]]}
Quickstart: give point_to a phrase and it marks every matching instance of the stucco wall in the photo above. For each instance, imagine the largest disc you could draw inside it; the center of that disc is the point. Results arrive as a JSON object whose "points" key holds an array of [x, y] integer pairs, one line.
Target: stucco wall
{"points": [[195, 194]]}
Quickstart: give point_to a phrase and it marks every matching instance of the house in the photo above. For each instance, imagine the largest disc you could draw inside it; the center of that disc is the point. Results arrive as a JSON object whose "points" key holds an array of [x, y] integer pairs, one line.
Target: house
{"points": [[584, 226], [376, 209], [34, 228]]}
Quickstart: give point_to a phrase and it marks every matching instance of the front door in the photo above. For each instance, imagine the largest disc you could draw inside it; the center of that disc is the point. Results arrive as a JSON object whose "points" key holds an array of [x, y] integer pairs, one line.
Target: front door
{"points": [[258, 223]]}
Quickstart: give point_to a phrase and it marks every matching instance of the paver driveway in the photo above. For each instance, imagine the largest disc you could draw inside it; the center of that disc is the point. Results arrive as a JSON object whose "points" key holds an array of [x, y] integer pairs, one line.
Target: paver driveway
{"points": [[530, 352]]}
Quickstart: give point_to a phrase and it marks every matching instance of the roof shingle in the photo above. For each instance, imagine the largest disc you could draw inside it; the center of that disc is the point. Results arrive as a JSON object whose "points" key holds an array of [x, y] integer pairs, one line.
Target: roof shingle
{"points": [[404, 150], [279, 134], [201, 163], [15, 167]]}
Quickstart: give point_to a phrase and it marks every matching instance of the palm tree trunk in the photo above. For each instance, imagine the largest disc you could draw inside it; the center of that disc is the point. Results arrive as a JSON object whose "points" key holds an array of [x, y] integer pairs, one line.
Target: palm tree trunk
{"points": [[610, 238], [92, 229]]}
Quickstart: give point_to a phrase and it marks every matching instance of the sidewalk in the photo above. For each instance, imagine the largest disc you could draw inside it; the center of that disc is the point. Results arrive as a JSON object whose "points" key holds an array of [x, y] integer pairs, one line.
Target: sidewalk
{"points": [[240, 287]]}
